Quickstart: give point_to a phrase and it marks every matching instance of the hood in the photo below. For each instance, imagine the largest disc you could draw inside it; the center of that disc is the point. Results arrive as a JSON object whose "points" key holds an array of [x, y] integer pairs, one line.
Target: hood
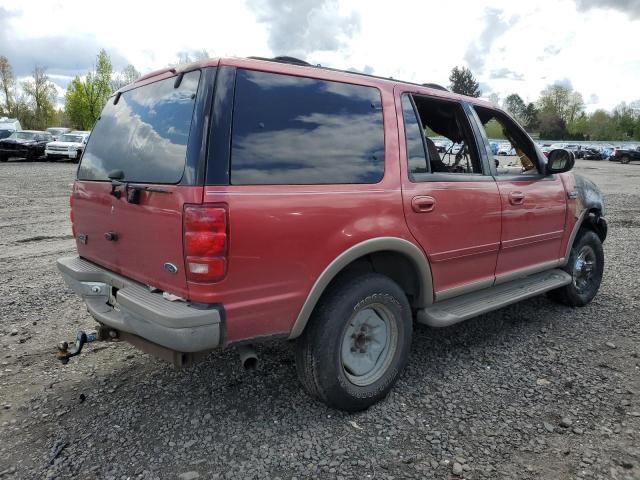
{"points": [[21, 141], [64, 144]]}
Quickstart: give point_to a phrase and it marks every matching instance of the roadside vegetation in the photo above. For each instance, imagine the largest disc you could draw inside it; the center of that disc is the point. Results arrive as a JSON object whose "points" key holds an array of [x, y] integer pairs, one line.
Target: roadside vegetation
{"points": [[558, 114]]}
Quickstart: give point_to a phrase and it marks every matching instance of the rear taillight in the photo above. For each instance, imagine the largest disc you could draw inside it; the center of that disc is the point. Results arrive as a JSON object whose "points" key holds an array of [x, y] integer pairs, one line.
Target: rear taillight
{"points": [[73, 225], [205, 243]]}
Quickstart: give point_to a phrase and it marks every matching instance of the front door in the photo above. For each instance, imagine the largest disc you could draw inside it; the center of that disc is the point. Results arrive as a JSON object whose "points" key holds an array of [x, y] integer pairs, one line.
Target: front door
{"points": [[533, 205], [451, 204]]}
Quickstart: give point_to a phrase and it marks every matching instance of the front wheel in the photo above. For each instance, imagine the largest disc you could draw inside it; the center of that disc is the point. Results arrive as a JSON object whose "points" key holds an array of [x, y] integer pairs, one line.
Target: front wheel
{"points": [[357, 342], [586, 266]]}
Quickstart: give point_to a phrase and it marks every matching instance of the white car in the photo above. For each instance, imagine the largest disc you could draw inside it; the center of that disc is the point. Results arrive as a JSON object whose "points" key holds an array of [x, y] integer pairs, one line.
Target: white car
{"points": [[68, 147], [8, 126], [57, 132], [506, 149]]}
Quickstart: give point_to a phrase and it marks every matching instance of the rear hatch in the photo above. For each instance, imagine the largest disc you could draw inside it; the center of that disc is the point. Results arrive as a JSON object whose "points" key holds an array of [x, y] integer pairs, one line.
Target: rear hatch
{"points": [[128, 199]]}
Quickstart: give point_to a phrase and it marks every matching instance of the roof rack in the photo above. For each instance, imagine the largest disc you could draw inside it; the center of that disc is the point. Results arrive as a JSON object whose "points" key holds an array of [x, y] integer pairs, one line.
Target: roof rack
{"points": [[297, 61], [284, 59], [436, 86]]}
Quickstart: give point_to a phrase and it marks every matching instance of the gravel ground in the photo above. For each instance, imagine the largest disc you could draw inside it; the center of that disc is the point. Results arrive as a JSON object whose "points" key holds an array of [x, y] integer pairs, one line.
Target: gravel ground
{"points": [[535, 390]]}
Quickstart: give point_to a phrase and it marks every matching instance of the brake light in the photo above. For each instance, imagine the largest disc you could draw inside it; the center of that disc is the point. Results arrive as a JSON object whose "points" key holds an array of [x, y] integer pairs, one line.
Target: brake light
{"points": [[205, 243], [71, 217]]}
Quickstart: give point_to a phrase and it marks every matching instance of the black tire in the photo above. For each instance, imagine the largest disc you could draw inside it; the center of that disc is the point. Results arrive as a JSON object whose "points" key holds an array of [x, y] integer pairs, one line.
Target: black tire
{"points": [[586, 250], [324, 345], [77, 159], [625, 159], [3, 158]]}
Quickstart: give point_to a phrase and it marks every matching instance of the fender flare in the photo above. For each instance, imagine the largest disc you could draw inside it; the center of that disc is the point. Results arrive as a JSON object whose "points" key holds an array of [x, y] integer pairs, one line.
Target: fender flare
{"points": [[382, 244]]}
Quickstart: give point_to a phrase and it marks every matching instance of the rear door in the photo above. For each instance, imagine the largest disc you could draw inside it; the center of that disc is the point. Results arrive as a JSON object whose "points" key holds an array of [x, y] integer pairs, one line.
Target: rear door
{"points": [[151, 134], [452, 206]]}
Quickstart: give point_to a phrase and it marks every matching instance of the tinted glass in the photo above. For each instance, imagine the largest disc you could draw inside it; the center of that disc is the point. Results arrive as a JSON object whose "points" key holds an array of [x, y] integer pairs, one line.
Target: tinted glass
{"points": [[71, 138], [145, 134], [292, 130], [5, 133], [416, 157]]}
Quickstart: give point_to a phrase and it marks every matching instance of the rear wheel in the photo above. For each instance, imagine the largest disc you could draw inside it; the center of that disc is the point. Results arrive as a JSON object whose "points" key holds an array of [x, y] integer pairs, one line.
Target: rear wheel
{"points": [[3, 158], [625, 159], [586, 266], [356, 344]]}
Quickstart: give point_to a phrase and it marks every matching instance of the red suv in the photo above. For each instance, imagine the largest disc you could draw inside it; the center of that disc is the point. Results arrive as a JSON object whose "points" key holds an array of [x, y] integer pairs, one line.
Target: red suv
{"points": [[235, 200]]}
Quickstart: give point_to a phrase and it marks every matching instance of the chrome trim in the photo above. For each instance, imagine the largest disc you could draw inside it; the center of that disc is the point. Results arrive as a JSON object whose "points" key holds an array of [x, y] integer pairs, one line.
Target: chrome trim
{"points": [[373, 245]]}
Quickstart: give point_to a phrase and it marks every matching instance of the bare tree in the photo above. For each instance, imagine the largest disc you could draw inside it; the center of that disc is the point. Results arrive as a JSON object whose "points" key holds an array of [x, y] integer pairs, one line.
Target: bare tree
{"points": [[41, 93], [128, 75], [7, 84]]}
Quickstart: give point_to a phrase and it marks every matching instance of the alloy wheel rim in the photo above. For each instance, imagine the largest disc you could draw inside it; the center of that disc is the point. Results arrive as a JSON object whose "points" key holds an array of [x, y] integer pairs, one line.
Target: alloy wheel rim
{"points": [[369, 344], [584, 268]]}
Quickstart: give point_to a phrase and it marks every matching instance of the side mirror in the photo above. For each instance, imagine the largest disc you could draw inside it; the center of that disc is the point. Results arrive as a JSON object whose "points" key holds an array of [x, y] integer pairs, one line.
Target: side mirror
{"points": [[559, 161]]}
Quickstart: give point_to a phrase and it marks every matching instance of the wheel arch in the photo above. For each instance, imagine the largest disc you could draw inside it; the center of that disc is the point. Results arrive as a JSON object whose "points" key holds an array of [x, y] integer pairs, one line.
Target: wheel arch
{"points": [[395, 257]]}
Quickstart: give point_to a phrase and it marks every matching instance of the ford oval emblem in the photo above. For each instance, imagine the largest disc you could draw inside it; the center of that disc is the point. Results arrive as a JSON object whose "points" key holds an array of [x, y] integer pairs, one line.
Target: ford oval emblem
{"points": [[170, 267]]}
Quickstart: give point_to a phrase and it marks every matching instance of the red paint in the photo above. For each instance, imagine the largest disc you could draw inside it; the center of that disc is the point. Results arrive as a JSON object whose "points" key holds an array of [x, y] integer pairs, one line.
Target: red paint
{"points": [[280, 238], [533, 227]]}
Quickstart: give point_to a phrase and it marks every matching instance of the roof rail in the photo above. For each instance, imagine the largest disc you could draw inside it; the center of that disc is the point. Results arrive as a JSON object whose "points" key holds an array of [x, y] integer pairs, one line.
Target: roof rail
{"points": [[284, 59], [297, 61], [435, 86]]}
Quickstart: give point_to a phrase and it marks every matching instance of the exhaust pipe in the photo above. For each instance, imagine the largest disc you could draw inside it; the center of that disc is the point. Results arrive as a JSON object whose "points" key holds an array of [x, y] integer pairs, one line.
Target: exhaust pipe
{"points": [[248, 357]]}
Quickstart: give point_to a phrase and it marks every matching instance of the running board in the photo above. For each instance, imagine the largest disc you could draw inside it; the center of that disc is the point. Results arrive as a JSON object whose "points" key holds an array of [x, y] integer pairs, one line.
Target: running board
{"points": [[454, 310]]}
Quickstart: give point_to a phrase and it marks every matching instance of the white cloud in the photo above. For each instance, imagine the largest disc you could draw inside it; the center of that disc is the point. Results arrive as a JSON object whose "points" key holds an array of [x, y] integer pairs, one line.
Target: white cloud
{"points": [[516, 47]]}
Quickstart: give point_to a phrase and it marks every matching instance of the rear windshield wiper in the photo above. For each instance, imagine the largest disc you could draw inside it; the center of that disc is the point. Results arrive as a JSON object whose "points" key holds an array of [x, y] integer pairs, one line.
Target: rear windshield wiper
{"points": [[132, 192]]}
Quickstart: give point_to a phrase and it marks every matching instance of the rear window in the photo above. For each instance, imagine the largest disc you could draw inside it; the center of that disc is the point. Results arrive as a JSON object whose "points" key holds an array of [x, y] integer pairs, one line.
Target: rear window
{"points": [[294, 130], [145, 134]]}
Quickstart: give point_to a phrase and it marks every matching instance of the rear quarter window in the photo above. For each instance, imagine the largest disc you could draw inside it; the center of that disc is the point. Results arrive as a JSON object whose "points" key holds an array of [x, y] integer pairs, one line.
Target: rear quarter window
{"points": [[296, 130], [145, 134]]}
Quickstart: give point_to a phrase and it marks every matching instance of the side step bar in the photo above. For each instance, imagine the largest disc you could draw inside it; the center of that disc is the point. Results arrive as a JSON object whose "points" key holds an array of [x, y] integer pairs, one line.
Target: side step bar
{"points": [[454, 310]]}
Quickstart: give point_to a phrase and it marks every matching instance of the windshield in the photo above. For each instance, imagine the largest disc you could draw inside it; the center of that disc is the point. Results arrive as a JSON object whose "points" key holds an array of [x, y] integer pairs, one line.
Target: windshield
{"points": [[71, 138], [144, 134], [56, 131], [5, 133], [23, 136]]}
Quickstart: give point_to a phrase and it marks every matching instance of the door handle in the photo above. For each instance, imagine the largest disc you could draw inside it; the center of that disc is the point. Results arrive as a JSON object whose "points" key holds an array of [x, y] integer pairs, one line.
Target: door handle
{"points": [[423, 204], [516, 198]]}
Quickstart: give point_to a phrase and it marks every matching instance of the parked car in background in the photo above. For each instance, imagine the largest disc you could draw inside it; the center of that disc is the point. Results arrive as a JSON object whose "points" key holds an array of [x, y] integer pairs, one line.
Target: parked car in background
{"points": [[69, 146], [506, 149], [625, 155], [29, 144], [182, 249], [55, 132], [8, 126], [494, 147], [593, 153]]}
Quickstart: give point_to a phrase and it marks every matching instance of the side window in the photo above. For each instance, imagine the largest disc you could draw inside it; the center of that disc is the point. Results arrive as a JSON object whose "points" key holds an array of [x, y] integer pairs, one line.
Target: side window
{"points": [[296, 130], [416, 158], [513, 152], [449, 139]]}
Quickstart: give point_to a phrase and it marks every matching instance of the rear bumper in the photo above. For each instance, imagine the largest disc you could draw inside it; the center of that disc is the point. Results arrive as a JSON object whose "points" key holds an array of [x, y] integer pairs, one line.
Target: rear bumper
{"points": [[134, 309]]}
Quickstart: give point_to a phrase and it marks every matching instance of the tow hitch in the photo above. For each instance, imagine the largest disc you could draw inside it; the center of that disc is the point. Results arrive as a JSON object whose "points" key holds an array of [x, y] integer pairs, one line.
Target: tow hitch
{"points": [[64, 353]]}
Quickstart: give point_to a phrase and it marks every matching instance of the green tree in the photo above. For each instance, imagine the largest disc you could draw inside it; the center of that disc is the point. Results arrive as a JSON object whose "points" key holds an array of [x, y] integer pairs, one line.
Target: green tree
{"points": [[7, 86], [552, 126], [85, 98], [463, 82], [516, 107], [40, 93], [561, 101]]}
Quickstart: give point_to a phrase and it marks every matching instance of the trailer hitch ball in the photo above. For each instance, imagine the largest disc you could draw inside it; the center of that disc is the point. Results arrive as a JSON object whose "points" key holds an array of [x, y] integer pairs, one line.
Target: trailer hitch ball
{"points": [[64, 353]]}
